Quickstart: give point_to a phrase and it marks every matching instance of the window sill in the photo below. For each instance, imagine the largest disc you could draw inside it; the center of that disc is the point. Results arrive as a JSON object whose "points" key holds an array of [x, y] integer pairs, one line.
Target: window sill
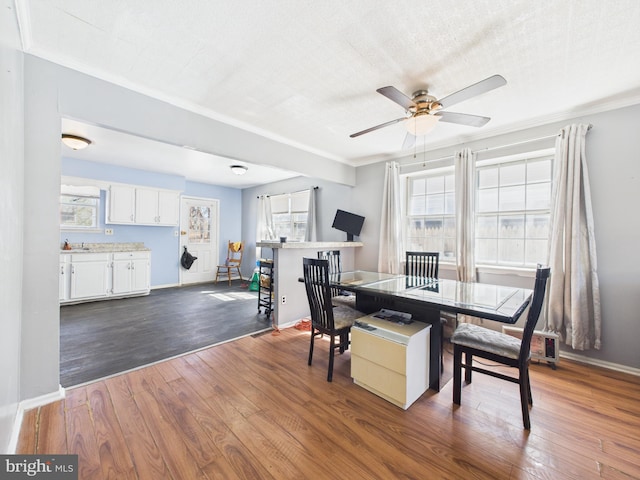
{"points": [[81, 230], [495, 270]]}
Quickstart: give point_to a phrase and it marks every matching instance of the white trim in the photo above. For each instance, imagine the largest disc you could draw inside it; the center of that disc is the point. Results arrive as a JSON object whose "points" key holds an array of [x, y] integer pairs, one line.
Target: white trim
{"points": [[166, 285], [30, 404], [24, 24], [600, 363], [104, 185]]}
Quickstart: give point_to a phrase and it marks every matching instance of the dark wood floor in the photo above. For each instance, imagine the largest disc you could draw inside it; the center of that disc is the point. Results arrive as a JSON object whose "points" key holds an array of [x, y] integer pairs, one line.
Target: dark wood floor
{"points": [[98, 339], [253, 409]]}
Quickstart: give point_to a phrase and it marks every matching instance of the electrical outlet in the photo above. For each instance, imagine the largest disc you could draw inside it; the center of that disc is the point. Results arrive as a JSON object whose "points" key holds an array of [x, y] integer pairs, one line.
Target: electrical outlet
{"points": [[283, 300], [108, 231]]}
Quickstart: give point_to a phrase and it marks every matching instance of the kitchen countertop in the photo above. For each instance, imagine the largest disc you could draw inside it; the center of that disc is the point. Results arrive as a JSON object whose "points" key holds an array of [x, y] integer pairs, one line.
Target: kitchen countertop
{"points": [[105, 247], [275, 244]]}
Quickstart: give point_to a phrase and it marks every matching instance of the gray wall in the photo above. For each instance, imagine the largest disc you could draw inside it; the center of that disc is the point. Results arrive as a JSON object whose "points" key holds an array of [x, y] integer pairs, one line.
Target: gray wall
{"points": [[614, 168], [53, 92], [11, 213], [330, 197], [30, 334]]}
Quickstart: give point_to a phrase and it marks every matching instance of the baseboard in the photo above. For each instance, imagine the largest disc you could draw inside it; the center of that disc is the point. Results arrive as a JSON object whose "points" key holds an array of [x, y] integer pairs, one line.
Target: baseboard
{"points": [[168, 285], [600, 363], [30, 404]]}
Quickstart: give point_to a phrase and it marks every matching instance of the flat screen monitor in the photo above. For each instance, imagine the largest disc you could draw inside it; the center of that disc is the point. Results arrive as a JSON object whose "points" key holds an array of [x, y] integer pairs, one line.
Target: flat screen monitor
{"points": [[350, 223]]}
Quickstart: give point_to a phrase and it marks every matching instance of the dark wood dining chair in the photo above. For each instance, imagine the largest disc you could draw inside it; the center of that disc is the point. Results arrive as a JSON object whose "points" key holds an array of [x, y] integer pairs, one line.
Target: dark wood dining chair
{"points": [[476, 341], [325, 318], [426, 265], [422, 264], [335, 266]]}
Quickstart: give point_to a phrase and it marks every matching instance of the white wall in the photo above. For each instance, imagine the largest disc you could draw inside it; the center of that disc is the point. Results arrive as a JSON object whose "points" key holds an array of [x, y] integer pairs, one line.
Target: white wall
{"points": [[11, 209], [614, 168]]}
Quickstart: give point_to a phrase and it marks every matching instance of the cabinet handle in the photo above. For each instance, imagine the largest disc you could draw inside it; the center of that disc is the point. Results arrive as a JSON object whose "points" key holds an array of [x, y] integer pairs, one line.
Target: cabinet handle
{"points": [[62, 270]]}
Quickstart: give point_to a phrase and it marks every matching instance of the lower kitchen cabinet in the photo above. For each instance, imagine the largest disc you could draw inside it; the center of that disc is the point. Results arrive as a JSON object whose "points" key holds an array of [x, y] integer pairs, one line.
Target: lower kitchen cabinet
{"points": [[89, 275], [98, 276], [130, 272]]}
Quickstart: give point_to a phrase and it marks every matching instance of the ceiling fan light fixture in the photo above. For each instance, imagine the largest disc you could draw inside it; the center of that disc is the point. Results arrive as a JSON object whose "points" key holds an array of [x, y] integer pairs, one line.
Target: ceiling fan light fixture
{"points": [[75, 142], [239, 169], [421, 124]]}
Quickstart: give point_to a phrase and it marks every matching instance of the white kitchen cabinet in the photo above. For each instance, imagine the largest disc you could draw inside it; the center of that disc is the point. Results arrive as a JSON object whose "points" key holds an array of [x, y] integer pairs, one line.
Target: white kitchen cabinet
{"points": [[121, 204], [89, 275], [157, 207], [64, 282], [130, 272], [100, 276]]}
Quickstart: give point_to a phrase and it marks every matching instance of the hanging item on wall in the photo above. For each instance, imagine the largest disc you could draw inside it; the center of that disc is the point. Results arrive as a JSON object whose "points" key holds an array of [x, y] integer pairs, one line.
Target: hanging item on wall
{"points": [[187, 259]]}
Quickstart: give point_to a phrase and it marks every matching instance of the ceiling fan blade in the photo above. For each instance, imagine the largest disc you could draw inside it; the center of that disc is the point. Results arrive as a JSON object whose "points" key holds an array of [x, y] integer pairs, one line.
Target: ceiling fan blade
{"points": [[409, 141], [463, 118], [354, 135], [395, 95], [471, 91]]}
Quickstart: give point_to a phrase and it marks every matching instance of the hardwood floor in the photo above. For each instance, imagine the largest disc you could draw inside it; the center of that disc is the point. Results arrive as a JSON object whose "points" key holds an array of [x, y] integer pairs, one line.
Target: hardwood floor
{"points": [[253, 409], [102, 338]]}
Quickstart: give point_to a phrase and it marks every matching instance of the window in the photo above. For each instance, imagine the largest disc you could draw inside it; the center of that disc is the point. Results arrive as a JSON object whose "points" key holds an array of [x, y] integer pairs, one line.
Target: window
{"points": [[79, 208], [513, 203], [289, 213], [431, 223]]}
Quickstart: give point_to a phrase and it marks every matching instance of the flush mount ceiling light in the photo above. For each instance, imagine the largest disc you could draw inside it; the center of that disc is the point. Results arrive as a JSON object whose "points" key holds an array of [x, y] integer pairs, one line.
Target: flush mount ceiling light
{"points": [[239, 169], [75, 142], [421, 124]]}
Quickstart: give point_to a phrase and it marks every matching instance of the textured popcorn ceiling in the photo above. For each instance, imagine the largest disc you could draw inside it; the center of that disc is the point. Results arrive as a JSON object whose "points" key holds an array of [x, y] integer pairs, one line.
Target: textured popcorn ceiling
{"points": [[306, 72]]}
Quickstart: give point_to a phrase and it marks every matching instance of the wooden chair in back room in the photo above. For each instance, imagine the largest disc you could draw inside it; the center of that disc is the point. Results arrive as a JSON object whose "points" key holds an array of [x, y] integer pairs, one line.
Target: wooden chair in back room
{"points": [[233, 261]]}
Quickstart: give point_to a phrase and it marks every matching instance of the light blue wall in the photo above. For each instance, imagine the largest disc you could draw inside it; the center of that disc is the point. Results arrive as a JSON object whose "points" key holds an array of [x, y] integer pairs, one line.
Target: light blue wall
{"points": [[164, 244]]}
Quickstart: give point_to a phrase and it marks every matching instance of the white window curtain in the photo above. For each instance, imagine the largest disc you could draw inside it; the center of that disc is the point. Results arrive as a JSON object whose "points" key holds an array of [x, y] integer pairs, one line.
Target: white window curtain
{"points": [[265, 229], [465, 175], [391, 244], [573, 304], [311, 235]]}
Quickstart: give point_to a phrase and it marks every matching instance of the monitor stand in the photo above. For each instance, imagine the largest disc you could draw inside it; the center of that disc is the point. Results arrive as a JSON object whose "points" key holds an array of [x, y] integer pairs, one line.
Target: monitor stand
{"points": [[349, 237]]}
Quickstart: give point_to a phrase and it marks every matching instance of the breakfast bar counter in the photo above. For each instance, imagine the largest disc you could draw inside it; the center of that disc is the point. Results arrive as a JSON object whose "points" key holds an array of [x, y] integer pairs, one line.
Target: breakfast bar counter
{"points": [[289, 297]]}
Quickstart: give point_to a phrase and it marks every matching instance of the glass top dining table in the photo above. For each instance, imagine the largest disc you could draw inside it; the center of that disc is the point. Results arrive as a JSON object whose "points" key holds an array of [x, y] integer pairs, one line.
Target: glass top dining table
{"points": [[493, 302]]}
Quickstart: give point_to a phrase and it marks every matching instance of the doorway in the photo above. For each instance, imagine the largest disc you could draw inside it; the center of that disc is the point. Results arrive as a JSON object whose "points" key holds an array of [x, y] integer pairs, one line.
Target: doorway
{"points": [[199, 228]]}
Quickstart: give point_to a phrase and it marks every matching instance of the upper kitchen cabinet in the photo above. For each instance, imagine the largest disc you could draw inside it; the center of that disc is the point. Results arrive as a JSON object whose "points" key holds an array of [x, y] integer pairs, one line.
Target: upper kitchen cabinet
{"points": [[121, 204], [157, 207], [127, 204]]}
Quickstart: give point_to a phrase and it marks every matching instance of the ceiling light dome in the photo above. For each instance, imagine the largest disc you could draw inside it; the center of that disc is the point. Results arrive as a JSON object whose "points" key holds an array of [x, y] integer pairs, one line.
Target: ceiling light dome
{"points": [[75, 142], [421, 123], [239, 169]]}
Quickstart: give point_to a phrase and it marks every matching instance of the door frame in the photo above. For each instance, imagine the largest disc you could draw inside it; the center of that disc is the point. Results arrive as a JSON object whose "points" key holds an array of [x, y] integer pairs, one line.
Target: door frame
{"points": [[215, 234]]}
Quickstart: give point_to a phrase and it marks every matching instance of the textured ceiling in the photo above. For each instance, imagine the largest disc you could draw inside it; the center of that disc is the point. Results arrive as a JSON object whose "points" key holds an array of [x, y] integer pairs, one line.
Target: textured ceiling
{"points": [[306, 72]]}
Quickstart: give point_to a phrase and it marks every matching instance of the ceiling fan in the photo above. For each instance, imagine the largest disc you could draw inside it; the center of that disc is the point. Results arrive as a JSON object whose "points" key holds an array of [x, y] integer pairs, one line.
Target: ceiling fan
{"points": [[423, 111]]}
